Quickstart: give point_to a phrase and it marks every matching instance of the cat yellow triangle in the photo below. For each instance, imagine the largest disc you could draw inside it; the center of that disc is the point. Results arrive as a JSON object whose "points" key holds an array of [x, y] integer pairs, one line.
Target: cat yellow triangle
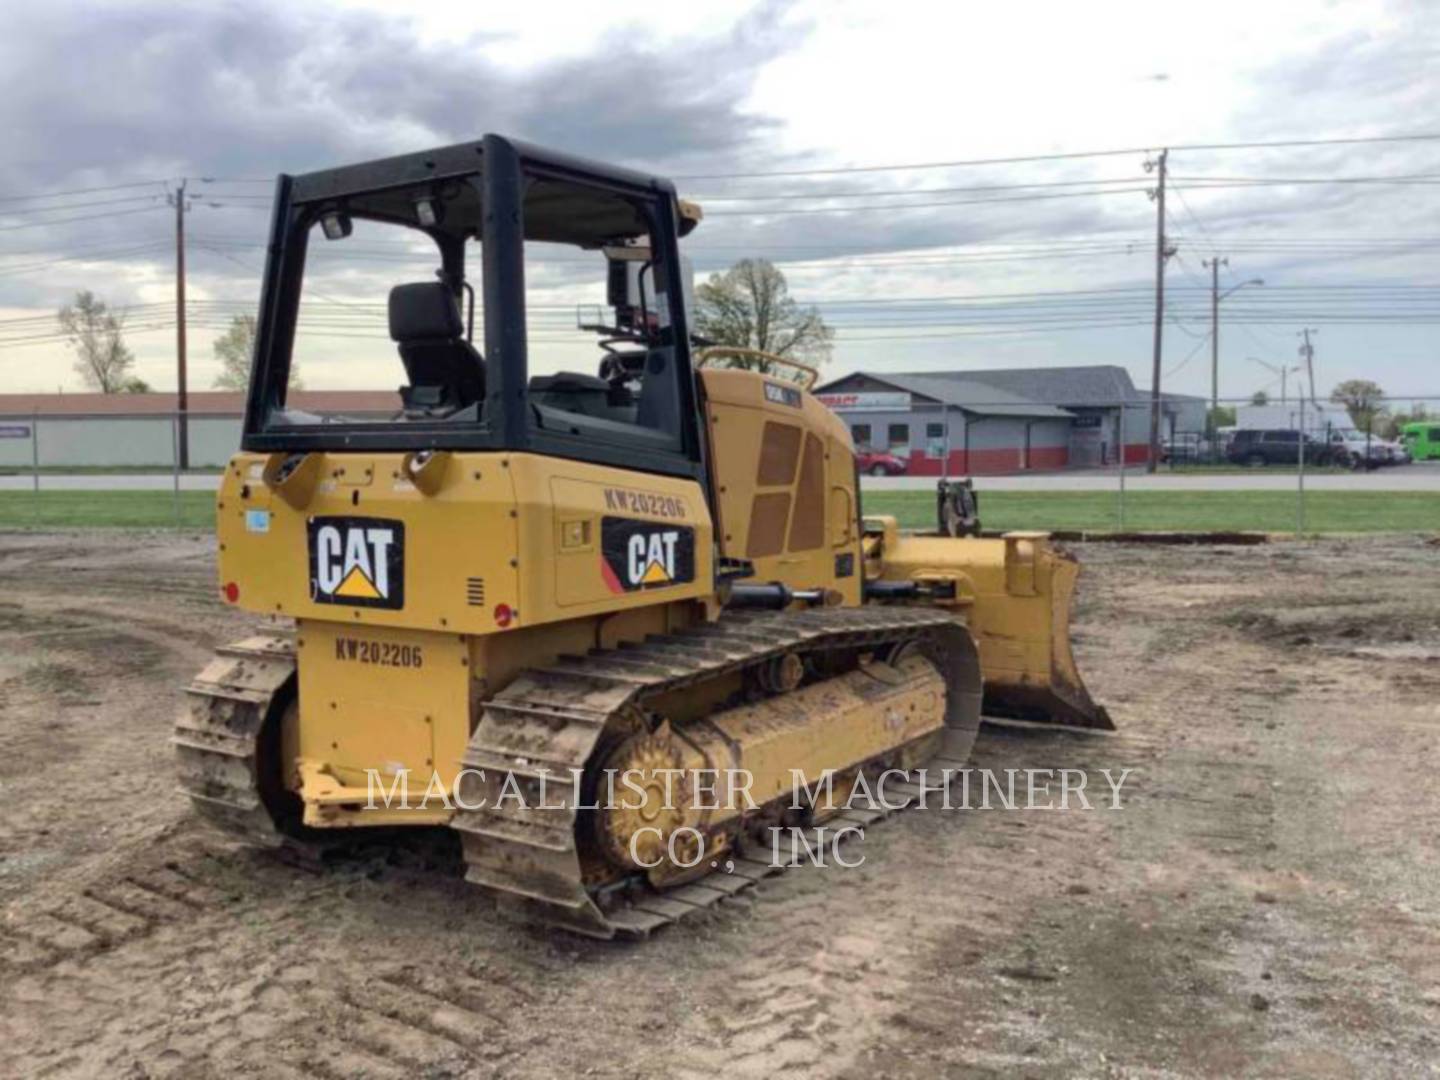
{"points": [[654, 575], [357, 586]]}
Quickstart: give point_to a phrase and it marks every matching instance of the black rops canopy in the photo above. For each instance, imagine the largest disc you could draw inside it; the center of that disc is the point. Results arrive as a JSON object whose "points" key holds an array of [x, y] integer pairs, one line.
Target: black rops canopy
{"points": [[557, 208]]}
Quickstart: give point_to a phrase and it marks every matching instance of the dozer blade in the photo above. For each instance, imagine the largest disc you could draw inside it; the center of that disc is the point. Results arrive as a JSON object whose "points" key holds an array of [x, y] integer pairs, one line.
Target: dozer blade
{"points": [[1014, 592], [1024, 639]]}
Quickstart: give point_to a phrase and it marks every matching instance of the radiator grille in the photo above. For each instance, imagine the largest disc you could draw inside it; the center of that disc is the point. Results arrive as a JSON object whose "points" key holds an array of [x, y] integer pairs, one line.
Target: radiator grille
{"points": [[475, 591]]}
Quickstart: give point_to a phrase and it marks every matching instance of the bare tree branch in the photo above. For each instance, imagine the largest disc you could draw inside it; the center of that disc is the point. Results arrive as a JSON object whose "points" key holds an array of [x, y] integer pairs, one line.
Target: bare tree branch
{"points": [[235, 350], [749, 306], [1363, 399], [97, 336]]}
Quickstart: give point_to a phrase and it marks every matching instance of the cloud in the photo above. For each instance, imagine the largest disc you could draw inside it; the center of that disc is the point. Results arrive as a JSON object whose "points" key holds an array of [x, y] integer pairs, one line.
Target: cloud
{"points": [[109, 94], [262, 87], [101, 95], [114, 94]]}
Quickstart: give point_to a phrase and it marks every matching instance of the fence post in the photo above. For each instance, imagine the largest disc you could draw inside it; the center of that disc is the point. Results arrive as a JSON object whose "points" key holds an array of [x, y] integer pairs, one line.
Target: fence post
{"points": [[945, 447], [175, 461], [1300, 478], [1120, 457], [35, 451]]}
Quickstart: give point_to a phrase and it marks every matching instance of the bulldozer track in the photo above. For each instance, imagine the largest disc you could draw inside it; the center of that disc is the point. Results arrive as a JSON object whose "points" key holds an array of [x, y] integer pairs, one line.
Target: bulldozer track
{"points": [[548, 721], [218, 738]]}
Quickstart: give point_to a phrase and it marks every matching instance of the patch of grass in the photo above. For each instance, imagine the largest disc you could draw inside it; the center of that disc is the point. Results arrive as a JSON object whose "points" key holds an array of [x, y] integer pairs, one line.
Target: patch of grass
{"points": [[106, 509], [110, 470], [1205, 468], [1198, 511], [1179, 511]]}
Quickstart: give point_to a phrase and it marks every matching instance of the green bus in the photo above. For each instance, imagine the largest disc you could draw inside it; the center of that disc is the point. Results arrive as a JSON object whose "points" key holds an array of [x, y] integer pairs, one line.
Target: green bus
{"points": [[1422, 439]]}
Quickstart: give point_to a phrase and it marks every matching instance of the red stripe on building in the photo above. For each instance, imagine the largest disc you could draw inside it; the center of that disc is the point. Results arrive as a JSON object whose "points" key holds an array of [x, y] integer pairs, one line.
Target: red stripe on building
{"points": [[1007, 459]]}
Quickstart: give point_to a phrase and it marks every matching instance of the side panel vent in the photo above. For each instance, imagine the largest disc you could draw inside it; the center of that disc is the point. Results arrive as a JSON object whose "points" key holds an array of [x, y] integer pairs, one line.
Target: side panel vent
{"points": [[475, 591]]}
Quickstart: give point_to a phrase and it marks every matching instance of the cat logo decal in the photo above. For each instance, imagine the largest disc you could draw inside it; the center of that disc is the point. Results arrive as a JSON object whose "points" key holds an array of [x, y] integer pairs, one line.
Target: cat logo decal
{"points": [[645, 554], [357, 561]]}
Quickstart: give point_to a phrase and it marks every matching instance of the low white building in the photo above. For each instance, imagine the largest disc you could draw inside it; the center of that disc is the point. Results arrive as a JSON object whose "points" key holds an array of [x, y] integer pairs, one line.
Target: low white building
{"points": [[1293, 416], [109, 430]]}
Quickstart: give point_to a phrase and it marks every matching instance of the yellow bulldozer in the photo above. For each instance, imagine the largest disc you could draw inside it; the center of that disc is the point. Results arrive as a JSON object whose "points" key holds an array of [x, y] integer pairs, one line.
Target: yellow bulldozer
{"points": [[512, 588]]}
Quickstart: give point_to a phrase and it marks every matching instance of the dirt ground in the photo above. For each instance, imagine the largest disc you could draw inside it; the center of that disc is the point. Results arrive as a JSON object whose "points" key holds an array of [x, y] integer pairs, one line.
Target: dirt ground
{"points": [[1265, 904]]}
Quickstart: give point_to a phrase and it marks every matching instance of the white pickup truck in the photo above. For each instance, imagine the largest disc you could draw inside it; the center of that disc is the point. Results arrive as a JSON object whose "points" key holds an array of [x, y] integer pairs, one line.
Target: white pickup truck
{"points": [[1355, 449]]}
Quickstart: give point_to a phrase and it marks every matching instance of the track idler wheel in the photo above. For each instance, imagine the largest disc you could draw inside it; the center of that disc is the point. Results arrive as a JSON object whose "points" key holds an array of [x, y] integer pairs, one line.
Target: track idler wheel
{"points": [[651, 798]]}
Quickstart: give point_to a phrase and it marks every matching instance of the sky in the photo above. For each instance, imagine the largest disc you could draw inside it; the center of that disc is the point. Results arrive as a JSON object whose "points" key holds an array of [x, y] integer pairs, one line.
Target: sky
{"points": [[960, 267]]}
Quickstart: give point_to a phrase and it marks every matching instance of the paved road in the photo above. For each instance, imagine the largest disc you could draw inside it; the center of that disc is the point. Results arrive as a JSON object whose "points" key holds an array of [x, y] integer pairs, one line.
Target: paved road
{"points": [[1419, 476]]}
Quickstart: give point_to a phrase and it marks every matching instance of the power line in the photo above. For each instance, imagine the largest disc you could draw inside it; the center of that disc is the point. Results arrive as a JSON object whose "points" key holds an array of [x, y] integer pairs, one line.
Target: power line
{"points": [[1264, 181], [913, 191], [70, 207], [888, 208], [1198, 223], [84, 217], [1188, 356], [1071, 156], [79, 191], [1175, 322], [846, 170], [1204, 182], [110, 256]]}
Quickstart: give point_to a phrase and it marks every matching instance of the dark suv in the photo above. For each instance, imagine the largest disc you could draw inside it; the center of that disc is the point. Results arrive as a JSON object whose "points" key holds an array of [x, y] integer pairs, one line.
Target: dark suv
{"points": [[1274, 447]]}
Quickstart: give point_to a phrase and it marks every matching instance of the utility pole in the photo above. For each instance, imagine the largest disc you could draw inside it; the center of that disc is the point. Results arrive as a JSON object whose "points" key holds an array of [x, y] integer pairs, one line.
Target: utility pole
{"points": [[182, 397], [1214, 265], [1283, 371], [1162, 253], [1215, 297], [1308, 352]]}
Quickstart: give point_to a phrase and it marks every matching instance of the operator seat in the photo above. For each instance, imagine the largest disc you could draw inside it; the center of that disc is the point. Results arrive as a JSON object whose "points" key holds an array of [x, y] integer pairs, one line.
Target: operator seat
{"points": [[446, 372]]}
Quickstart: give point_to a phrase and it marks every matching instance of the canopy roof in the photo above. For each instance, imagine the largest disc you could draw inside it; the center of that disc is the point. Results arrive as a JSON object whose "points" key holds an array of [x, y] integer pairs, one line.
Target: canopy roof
{"points": [[567, 200]]}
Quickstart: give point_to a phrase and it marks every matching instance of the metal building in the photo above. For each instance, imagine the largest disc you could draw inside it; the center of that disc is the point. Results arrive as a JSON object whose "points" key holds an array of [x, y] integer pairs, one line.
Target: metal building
{"points": [[89, 430], [1006, 420]]}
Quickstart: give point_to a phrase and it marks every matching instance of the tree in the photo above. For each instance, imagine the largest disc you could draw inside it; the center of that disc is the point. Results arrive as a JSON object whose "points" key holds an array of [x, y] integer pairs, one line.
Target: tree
{"points": [[235, 350], [1389, 425], [750, 306], [1259, 397], [1221, 416], [1363, 399], [97, 335], [136, 385]]}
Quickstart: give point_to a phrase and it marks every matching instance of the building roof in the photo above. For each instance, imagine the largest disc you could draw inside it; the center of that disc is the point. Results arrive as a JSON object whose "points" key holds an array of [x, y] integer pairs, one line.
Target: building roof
{"points": [[201, 403], [1086, 384], [1092, 384], [1037, 391], [973, 397]]}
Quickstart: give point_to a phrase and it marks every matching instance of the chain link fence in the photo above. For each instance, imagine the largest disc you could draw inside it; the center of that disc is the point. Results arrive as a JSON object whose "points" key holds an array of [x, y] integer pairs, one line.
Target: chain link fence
{"points": [[80, 456], [1286, 450]]}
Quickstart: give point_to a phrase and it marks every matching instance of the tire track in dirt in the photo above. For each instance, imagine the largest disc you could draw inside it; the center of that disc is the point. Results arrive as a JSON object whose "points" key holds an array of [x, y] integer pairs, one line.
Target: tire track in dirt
{"points": [[838, 955], [993, 943]]}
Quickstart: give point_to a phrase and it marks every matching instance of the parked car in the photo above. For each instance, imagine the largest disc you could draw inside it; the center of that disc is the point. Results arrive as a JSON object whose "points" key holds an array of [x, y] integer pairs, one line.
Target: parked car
{"points": [[1275, 446], [1356, 450], [1186, 446], [880, 463]]}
